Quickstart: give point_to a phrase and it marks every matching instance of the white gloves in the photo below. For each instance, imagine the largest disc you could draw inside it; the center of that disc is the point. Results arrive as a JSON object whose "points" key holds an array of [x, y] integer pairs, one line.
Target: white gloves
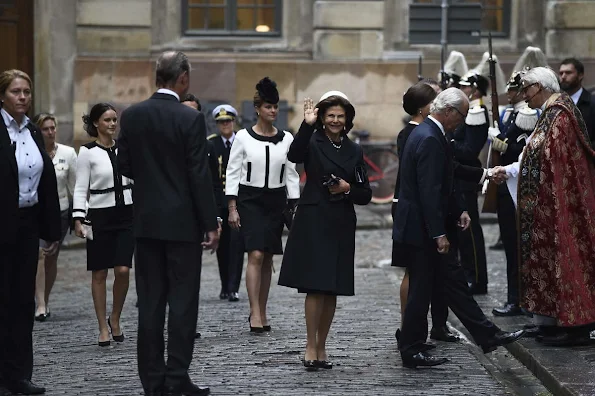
{"points": [[493, 133]]}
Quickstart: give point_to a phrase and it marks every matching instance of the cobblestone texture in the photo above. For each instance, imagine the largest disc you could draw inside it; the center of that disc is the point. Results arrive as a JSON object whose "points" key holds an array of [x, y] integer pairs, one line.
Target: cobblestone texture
{"points": [[233, 362]]}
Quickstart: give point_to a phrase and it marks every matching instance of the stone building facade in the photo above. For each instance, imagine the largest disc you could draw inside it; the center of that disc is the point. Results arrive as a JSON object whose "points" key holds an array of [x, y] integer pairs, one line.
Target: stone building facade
{"points": [[86, 51]]}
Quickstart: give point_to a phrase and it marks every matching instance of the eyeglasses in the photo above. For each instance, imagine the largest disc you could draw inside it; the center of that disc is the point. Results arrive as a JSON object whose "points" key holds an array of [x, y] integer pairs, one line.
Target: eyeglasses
{"points": [[525, 89], [458, 111]]}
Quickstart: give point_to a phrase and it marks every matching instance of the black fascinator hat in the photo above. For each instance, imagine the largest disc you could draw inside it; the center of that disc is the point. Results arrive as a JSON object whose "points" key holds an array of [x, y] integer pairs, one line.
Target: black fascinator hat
{"points": [[266, 91]]}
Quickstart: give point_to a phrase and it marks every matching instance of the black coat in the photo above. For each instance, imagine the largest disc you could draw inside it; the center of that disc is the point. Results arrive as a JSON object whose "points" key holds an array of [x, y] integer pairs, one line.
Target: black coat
{"points": [[49, 204], [219, 165], [427, 206], [218, 184], [163, 148], [586, 105], [319, 255]]}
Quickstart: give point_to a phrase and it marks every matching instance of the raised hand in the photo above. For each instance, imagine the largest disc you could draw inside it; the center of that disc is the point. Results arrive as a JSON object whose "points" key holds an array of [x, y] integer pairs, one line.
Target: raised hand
{"points": [[310, 113]]}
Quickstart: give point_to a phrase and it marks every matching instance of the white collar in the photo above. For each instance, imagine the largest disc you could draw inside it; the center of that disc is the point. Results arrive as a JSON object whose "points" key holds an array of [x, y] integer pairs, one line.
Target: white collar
{"points": [[230, 140], [575, 96], [437, 123], [8, 119], [169, 92], [414, 123], [475, 102]]}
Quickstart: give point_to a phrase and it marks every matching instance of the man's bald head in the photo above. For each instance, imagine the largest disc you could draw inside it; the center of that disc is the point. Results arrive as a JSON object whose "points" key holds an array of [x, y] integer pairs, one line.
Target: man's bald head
{"points": [[170, 66]]}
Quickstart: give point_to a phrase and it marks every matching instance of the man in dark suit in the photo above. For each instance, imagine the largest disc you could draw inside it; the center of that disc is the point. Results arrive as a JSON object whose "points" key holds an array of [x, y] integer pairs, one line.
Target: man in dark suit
{"points": [[426, 217], [572, 72], [162, 146]]}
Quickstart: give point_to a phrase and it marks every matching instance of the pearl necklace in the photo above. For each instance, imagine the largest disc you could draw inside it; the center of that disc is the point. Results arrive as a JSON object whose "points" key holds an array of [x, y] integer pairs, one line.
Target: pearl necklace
{"points": [[337, 146]]}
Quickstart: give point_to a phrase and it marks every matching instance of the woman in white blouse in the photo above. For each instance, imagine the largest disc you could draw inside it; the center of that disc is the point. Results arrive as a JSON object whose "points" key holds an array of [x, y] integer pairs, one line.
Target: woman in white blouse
{"points": [[110, 240], [260, 182], [64, 160]]}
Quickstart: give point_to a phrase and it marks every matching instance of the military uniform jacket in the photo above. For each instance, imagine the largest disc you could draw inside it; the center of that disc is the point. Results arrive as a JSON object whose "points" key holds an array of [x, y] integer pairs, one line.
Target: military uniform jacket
{"points": [[218, 158]]}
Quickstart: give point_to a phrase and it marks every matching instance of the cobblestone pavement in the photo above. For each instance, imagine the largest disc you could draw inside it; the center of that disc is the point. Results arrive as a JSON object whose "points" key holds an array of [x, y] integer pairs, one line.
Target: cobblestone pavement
{"points": [[233, 362]]}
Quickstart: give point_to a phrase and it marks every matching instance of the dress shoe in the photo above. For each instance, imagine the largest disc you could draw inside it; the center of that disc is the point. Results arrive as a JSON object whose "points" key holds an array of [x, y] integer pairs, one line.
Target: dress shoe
{"points": [[310, 365], [117, 338], [255, 329], [422, 359], [223, 295], [25, 387], [234, 296], [535, 331], [191, 389], [478, 289], [567, 339], [197, 335], [508, 309], [424, 347], [443, 334], [501, 338], [324, 364]]}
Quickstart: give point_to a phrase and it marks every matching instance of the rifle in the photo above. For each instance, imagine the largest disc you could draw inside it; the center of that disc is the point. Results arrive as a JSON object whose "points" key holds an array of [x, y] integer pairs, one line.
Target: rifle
{"points": [[419, 69], [491, 191], [443, 79]]}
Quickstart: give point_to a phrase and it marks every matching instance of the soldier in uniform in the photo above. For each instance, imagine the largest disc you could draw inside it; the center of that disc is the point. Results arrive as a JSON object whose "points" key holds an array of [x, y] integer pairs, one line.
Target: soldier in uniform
{"points": [[467, 142], [455, 67], [230, 254], [518, 123]]}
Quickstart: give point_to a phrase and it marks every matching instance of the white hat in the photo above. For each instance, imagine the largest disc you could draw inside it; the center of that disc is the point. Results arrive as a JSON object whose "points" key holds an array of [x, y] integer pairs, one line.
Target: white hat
{"points": [[224, 112], [456, 64], [483, 69], [333, 93]]}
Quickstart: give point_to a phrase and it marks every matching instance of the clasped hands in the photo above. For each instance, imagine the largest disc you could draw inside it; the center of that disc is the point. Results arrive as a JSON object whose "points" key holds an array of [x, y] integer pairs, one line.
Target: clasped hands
{"points": [[499, 175]]}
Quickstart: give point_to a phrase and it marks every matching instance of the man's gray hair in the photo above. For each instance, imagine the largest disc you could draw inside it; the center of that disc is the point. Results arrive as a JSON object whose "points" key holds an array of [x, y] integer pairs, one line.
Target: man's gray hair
{"points": [[170, 65], [450, 97], [544, 76]]}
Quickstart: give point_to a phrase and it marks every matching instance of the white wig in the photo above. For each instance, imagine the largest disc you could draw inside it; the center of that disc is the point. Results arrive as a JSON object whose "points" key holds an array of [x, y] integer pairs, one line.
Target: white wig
{"points": [[544, 76], [450, 97]]}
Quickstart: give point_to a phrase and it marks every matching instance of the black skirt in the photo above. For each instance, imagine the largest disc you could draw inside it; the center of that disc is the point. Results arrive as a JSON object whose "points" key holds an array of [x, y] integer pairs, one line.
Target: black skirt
{"points": [[113, 238], [261, 218]]}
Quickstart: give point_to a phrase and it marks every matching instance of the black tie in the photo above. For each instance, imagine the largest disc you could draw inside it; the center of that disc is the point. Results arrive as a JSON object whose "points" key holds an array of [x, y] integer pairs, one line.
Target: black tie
{"points": [[228, 145], [227, 151]]}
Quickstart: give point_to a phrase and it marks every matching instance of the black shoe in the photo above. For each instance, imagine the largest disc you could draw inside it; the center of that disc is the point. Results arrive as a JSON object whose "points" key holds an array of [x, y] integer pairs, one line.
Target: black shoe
{"points": [[223, 295], [191, 389], [42, 317], [478, 289], [422, 359], [104, 343], [197, 335], [398, 334], [255, 329], [424, 347], [324, 364], [117, 338], [25, 387], [443, 334], [567, 339], [501, 338], [310, 365], [508, 309], [234, 296], [539, 332], [266, 328]]}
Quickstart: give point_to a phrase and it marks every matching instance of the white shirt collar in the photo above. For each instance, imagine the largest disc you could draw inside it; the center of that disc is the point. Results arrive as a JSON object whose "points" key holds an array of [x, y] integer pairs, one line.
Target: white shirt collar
{"points": [[8, 119], [414, 123], [575, 97], [437, 123], [231, 139], [168, 91]]}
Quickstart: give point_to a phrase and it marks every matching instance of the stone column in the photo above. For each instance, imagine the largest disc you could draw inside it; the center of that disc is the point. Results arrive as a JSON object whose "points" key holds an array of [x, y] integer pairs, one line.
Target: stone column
{"points": [[570, 27], [166, 20], [55, 53]]}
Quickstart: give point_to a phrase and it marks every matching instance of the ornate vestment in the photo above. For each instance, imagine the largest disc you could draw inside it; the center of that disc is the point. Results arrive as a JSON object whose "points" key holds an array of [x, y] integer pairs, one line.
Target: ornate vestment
{"points": [[556, 215]]}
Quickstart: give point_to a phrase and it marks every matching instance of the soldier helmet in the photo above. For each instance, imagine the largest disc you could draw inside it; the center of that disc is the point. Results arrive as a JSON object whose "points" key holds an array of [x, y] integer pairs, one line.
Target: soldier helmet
{"points": [[483, 71], [455, 67], [532, 57]]}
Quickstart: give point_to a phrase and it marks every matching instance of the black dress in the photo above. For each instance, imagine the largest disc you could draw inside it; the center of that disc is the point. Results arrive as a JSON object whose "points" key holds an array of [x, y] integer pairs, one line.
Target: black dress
{"points": [[319, 255]]}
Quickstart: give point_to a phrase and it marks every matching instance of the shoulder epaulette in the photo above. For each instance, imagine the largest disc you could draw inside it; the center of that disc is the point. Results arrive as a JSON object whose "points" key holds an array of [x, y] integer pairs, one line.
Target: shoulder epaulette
{"points": [[526, 119], [507, 114], [476, 116], [212, 136]]}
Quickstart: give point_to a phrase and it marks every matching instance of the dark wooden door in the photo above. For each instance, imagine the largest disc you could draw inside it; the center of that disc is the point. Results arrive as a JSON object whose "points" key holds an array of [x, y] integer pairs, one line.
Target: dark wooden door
{"points": [[16, 35]]}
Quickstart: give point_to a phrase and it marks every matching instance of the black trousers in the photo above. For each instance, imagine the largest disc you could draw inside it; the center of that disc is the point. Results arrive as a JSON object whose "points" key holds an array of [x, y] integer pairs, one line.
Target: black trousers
{"points": [[472, 245], [18, 268], [508, 232], [230, 256], [429, 273], [167, 273]]}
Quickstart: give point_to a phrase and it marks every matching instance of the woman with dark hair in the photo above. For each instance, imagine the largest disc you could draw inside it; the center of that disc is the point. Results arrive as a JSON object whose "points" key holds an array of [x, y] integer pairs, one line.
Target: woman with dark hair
{"points": [[64, 160], [260, 182], [110, 240], [319, 256], [29, 211]]}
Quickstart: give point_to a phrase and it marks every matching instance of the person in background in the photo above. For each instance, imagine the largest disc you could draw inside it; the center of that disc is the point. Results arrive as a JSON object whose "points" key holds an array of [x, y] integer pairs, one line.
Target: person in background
{"points": [[319, 257], [230, 253], [110, 242], [29, 211], [260, 182], [64, 159], [572, 72]]}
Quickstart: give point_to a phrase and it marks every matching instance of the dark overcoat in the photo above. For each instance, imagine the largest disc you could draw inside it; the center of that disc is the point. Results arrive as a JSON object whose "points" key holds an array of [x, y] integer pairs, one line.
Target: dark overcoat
{"points": [[319, 255]]}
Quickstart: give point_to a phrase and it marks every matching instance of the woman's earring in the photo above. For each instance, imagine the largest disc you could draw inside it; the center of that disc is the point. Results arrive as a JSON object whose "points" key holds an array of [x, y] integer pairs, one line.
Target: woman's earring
{"points": [[258, 114], [324, 127]]}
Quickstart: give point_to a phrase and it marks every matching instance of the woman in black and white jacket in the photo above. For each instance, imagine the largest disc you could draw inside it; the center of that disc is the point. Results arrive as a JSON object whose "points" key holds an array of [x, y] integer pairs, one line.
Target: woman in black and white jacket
{"points": [[260, 182], [110, 240]]}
